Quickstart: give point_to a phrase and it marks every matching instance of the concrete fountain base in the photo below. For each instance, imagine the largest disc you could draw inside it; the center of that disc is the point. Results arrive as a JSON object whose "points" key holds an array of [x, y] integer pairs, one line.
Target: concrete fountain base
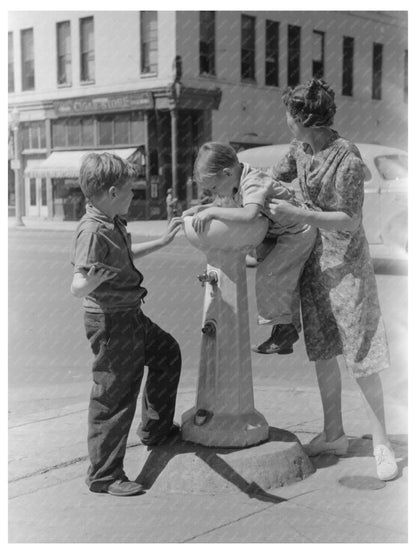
{"points": [[187, 467]]}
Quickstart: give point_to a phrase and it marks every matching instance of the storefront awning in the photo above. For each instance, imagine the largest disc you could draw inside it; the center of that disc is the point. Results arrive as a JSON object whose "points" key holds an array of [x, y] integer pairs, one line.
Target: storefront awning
{"points": [[66, 164]]}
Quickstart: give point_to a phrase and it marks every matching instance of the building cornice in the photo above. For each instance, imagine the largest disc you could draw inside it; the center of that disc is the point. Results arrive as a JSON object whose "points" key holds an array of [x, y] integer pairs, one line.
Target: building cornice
{"points": [[173, 96]]}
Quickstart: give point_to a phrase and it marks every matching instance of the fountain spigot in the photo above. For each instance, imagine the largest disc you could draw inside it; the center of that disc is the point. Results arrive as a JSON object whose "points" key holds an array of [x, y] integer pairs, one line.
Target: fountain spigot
{"points": [[211, 278]]}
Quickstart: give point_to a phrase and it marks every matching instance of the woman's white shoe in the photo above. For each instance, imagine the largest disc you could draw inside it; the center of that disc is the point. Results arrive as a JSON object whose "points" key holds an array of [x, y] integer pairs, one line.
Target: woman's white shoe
{"points": [[386, 464], [319, 445]]}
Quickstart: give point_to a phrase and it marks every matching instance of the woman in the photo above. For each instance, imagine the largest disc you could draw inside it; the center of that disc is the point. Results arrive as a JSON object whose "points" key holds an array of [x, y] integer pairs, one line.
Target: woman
{"points": [[340, 307]]}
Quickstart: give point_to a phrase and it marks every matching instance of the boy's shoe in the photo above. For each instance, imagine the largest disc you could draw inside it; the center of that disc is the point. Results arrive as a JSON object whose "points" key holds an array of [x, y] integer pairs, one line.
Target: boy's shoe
{"points": [[162, 439], [281, 340], [319, 445], [386, 464], [124, 487]]}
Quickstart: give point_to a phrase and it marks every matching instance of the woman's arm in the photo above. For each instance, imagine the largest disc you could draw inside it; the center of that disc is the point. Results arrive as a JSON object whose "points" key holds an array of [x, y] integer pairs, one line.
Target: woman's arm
{"points": [[286, 213], [246, 214], [197, 208]]}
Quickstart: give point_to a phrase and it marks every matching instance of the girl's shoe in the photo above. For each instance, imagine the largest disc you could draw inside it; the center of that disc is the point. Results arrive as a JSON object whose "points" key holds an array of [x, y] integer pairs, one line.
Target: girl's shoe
{"points": [[386, 464], [319, 445]]}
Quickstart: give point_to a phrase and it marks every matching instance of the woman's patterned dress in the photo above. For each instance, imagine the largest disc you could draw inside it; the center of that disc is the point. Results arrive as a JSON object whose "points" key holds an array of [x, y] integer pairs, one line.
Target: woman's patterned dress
{"points": [[340, 306]]}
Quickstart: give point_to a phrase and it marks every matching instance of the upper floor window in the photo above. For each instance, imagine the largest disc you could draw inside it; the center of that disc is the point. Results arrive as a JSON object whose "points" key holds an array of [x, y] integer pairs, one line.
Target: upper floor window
{"points": [[377, 70], [86, 30], [64, 58], [318, 54], [11, 63], [207, 42], [293, 57], [347, 66], [272, 53], [149, 48], [248, 47], [405, 84], [28, 59]]}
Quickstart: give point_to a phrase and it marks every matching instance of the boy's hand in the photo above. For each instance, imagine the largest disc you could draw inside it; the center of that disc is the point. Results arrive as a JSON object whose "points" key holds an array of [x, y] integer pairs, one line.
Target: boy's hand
{"points": [[174, 226], [84, 282], [200, 219], [97, 275]]}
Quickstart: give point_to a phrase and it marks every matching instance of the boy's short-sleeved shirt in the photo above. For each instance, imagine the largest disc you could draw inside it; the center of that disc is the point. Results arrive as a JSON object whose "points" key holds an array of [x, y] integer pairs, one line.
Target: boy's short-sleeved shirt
{"points": [[256, 187], [99, 238]]}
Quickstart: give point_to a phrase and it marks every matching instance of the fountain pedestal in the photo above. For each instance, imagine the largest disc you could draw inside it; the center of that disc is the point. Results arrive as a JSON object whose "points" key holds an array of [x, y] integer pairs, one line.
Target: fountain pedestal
{"points": [[224, 414]]}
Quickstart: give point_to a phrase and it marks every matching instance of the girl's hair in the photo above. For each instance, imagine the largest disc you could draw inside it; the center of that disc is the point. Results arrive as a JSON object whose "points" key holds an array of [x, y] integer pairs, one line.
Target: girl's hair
{"points": [[312, 104], [99, 172], [212, 158]]}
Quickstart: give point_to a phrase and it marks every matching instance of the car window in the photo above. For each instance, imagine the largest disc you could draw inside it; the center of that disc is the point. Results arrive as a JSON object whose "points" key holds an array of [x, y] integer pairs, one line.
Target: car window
{"points": [[392, 167]]}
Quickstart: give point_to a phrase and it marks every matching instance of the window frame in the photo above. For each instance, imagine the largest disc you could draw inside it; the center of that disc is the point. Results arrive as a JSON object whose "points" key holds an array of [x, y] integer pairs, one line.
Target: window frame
{"points": [[145, 54], [294, 48], [406, 77], [28, 78], [348, 52], [210, 56], [10, 53], [272, 51], [86, 56], [318, 66], [65, 57], [248, 52], [377, 72]]}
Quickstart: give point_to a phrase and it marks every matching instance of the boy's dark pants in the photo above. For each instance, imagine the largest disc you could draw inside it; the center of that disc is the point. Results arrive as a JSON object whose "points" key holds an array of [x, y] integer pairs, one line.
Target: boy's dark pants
{"points": [[123, 343]]}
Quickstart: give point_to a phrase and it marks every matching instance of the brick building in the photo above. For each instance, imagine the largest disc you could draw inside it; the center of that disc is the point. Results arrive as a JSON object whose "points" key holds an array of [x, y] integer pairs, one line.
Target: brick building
{"points": [[153, 86]]}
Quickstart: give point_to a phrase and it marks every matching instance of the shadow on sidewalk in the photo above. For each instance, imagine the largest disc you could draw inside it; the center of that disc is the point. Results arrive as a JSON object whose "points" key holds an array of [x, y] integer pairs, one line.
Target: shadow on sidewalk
{"points": [[160, 456]]}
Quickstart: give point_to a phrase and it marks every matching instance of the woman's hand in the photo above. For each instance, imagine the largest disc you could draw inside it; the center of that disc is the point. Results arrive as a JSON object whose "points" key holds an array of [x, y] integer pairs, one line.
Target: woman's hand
{"points": [[195, 209], [284, 212], [200, 219]]}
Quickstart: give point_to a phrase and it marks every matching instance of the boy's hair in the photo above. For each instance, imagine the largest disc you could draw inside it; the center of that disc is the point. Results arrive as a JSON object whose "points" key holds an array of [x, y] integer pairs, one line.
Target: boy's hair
{"points": [[212, 158], [101, 171]]}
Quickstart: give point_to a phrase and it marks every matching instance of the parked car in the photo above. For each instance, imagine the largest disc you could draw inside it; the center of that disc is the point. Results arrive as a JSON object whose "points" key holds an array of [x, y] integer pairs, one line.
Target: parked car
{"points": [[385, 215]]}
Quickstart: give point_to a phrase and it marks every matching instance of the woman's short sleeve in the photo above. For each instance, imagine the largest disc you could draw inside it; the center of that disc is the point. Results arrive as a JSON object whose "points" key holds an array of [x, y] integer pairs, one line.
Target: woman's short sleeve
{"points": [[349, 185], [285, 169]]}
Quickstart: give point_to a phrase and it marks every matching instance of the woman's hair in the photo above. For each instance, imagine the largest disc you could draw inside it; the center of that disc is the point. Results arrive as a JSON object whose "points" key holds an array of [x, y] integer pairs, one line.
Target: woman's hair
{"points": [[212, 158], [312, 104], [99, 172]]}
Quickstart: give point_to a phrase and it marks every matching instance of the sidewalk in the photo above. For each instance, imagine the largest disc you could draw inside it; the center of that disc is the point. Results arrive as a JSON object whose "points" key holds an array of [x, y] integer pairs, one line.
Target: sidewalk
{"points": [[341, 502], [145, 228]]}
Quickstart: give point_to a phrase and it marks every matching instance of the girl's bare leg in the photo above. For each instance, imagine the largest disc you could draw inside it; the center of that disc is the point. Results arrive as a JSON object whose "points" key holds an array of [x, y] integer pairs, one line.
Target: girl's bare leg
{"points": [[330, 387], [372, 394]]}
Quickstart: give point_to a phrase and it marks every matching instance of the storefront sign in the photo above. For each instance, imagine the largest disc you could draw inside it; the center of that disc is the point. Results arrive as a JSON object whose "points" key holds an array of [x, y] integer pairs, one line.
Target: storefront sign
{"points": [[109, 103]]}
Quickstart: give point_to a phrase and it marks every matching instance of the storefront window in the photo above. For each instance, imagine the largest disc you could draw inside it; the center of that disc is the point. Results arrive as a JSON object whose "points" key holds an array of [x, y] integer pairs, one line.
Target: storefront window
{"points": [[43, 192], [33, 135], [105, 131], [59, 133], [121, 129], [68, 199], [74, 132], [32, 185], [87, 132]]}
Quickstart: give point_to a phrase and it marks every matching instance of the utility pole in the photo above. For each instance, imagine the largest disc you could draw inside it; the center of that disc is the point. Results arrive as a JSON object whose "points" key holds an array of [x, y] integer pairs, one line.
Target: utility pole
{"points": [[17, 168]]}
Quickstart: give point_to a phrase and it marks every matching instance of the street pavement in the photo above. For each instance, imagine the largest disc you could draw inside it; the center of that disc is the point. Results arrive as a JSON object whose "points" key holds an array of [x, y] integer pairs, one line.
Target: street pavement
{"points": [[341, 502]]}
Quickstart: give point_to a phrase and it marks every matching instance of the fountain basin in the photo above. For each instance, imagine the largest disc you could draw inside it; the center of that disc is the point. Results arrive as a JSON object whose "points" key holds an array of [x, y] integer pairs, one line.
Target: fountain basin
{"points": [[226, 235]]}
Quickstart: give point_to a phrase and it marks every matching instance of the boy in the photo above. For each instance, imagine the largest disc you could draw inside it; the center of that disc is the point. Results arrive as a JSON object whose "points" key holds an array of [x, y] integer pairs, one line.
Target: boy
{"points": [[285, 250], [122, 338]]}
